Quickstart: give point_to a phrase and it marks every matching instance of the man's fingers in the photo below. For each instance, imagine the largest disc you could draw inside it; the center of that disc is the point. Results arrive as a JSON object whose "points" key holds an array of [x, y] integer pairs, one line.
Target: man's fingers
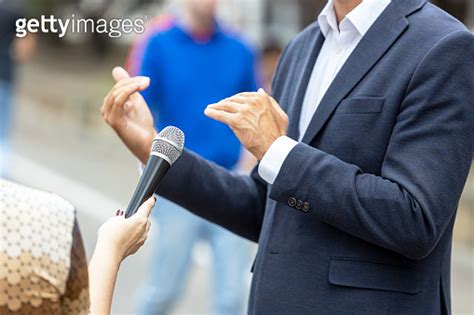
{"points": [[127, 106], [108, 106], [242, 99], [119, 73], [247, 94], [277, 107], [227, 106], [263, 95], [220, 115], [143, 82], [123, 94], [125, 87], [272, 102], [117, 99], [104, 107], [121, 101]]}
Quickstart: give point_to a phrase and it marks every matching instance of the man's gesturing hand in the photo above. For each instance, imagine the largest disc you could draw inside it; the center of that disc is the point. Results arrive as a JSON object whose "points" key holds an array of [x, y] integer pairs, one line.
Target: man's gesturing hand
{"points": [[125, 110], [255, 118]]}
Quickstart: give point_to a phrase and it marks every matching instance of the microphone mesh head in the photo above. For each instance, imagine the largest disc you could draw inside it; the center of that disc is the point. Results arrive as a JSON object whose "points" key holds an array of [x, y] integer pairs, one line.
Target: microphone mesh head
{"points": [[169, 143]]}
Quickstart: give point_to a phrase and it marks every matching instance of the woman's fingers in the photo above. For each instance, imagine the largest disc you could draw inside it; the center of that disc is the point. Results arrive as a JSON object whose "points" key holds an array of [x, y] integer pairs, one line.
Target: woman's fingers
{"points": [[148, 226], [145, 209]]}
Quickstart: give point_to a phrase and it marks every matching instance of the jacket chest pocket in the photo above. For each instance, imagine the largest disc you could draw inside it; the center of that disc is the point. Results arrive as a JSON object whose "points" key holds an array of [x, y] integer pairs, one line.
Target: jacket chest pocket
{"points": [[358, 132]]}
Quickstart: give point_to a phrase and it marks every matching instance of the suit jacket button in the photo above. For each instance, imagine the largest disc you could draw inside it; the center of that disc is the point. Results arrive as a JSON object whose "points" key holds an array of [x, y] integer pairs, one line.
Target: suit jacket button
{"points": [[292, 202], [306, 206], [299, 204]]}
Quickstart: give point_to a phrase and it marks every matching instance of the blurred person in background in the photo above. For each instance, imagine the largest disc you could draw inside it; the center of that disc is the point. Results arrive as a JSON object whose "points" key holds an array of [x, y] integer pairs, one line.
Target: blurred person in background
{"points": [[43, 266], [12, 50], [137, 50], [193, 56], [270, 56]]}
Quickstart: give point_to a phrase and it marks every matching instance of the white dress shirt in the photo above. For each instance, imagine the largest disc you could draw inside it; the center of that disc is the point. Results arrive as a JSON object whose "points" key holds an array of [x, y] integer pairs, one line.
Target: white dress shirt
{"points": [[340, 41]]}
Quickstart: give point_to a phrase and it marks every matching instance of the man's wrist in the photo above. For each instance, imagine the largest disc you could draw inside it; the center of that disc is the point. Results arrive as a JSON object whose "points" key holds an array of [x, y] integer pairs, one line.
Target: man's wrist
{"points": [[144, 153], [267, 147], [273, 159]]}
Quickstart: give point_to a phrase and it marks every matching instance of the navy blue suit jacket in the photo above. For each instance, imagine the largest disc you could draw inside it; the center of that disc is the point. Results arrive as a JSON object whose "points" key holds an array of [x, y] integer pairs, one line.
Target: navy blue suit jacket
{"points": [[360, 217]]}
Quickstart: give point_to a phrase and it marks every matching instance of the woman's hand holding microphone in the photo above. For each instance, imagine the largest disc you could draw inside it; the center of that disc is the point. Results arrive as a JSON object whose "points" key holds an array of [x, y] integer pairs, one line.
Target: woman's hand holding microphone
{"points": [[122, 237], [117, 238]]}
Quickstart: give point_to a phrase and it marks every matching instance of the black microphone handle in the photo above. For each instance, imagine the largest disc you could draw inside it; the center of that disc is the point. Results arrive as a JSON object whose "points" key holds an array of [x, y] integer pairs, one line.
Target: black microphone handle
{"points": [[153, 173]]}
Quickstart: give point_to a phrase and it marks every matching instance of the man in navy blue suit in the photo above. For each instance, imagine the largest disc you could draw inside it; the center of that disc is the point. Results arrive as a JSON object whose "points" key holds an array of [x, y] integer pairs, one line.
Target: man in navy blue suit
{"points": [[364, 151]]}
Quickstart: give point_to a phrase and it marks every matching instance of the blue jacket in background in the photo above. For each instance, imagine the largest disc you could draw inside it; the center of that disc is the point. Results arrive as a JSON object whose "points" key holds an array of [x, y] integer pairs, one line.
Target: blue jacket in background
{"points": [[187, 75]]}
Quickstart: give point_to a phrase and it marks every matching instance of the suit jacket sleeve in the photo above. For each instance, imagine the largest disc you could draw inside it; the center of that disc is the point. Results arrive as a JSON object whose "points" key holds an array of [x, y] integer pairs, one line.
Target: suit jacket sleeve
{"points": [[234, 201], [407, 207]]}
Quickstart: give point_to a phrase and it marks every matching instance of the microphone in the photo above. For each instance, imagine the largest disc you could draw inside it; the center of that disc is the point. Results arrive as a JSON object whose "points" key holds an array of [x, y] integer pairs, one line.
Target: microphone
{"points": [[166, 149]]}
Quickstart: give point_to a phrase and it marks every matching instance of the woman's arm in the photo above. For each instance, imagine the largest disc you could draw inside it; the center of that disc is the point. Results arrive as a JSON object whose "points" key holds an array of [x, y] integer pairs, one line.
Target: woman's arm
{"points": [[117, 239], [103, 269]]}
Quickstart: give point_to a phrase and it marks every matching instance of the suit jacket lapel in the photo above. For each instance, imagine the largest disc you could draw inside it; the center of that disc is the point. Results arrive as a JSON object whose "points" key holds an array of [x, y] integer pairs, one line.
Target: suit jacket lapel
{"points": [[311, 52], [380, 37]]}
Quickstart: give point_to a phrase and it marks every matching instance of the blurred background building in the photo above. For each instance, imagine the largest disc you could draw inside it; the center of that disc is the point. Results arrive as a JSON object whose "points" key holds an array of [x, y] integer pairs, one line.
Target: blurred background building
{"points": [[60, 142]]}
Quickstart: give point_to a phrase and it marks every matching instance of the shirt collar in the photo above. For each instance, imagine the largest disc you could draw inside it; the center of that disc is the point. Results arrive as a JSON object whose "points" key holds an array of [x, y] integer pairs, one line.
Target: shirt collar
{"points": [[361, 18], [327, 19]]}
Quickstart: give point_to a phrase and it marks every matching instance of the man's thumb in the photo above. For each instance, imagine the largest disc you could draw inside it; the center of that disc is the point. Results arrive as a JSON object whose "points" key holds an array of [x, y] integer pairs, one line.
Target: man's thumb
{"points": [[120, 73]]}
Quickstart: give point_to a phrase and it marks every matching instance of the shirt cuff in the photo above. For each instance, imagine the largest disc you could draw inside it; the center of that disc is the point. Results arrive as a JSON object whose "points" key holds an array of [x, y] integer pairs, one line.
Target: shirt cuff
{"points": [[273, 159]]}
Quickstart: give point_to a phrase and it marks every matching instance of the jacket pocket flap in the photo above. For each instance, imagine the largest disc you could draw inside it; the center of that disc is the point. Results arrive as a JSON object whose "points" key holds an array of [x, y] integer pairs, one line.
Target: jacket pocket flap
{"points": [[361, 105], [373, 275]]}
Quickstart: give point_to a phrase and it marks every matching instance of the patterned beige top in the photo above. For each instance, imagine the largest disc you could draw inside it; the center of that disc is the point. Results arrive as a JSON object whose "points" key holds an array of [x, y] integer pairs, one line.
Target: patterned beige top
{"points": [[43, 267]]}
